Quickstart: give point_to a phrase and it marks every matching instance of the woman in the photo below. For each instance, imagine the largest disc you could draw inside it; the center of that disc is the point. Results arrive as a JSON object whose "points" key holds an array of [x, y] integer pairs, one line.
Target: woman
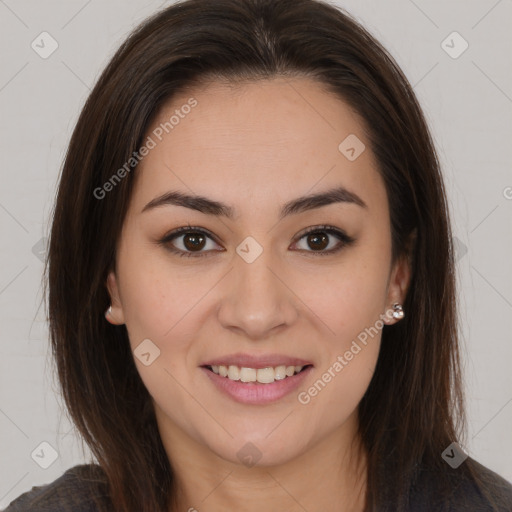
{"points": [[250, 273]]}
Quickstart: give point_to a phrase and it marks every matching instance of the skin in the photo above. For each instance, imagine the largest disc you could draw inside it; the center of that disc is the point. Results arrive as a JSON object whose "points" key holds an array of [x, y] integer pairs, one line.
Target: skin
{"points": [[256, 146]]}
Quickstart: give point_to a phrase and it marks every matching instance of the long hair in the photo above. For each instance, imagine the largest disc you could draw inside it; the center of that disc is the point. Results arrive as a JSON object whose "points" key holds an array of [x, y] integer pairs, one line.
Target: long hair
{"points": [[413, 408]]}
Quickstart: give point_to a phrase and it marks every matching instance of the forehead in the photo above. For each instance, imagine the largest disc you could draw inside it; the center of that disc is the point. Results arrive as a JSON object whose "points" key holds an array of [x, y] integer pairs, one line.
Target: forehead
{"points": [[266, 140]]}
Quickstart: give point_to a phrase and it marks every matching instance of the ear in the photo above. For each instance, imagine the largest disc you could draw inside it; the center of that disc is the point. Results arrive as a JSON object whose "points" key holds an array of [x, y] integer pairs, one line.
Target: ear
{"points": [[116, 314], [400, 277]]}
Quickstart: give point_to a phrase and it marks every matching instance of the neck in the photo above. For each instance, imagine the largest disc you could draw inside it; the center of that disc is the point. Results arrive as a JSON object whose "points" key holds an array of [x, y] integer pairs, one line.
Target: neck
{"points": [[329, 476]]}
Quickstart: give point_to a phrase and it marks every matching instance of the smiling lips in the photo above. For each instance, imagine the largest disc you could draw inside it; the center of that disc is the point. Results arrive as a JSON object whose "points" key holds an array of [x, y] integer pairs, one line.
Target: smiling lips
{"points": [[265, 375], [263, 369], [250, 390]]}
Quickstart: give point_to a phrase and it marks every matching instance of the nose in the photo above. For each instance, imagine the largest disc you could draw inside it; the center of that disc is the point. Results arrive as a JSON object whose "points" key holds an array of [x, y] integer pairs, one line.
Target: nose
{"points": [[257, 301]]}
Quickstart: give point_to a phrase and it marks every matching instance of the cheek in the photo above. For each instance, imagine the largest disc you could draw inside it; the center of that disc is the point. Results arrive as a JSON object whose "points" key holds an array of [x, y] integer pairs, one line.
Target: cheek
{"points": [[350, 304], [349, 298], [159, 305], [343, 376], [156, 296]]}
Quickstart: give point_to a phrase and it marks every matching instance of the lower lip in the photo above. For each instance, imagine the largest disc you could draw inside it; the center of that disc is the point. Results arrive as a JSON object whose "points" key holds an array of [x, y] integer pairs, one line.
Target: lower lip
{"points": [[256, 393]]}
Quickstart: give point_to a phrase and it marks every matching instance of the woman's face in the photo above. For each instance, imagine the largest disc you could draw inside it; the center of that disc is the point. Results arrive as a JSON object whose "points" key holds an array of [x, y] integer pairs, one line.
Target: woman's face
{"points": [[252, 289]]}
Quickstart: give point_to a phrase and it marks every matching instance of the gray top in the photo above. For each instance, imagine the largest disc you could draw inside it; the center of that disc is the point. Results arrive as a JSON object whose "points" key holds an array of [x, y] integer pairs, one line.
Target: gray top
{"points": [[81, 489]]}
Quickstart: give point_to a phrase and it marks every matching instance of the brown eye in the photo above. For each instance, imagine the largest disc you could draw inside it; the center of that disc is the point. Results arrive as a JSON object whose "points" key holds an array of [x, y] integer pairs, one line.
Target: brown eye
{"points": [[322, 240], [194, 241], [317, 241], [189, 241]]}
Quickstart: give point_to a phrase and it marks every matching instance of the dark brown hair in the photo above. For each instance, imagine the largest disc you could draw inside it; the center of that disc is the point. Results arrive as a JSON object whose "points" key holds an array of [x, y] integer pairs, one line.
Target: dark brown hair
{"points": [[413, 408]]}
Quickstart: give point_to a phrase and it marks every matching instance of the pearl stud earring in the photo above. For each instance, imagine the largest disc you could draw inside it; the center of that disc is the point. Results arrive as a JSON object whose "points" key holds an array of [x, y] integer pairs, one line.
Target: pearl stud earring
{"points": [[398, 311]]}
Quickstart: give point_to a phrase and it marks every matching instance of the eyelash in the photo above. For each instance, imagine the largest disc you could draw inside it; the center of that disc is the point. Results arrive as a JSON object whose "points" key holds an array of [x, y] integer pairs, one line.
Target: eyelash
{"points": [[345, 240]]}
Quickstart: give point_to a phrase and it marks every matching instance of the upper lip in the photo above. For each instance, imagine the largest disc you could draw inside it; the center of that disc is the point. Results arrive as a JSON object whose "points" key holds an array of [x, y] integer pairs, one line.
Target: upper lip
{"points": [[257, 361]]}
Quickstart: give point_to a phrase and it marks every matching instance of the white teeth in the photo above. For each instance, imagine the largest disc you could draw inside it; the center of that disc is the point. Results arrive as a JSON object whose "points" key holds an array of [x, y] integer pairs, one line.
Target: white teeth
{"points": [[265, 375], [261, 375], [280, 372], [233, 373], [248, 375]]}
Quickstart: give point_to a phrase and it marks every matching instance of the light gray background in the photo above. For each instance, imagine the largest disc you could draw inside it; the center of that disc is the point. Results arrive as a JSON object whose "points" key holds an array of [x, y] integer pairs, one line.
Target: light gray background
{"points": [[468, 104]]}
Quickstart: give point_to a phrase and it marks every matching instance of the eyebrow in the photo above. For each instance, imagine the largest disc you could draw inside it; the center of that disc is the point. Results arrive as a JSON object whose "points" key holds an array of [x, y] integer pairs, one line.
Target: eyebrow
{"points": [[210, 207]]}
